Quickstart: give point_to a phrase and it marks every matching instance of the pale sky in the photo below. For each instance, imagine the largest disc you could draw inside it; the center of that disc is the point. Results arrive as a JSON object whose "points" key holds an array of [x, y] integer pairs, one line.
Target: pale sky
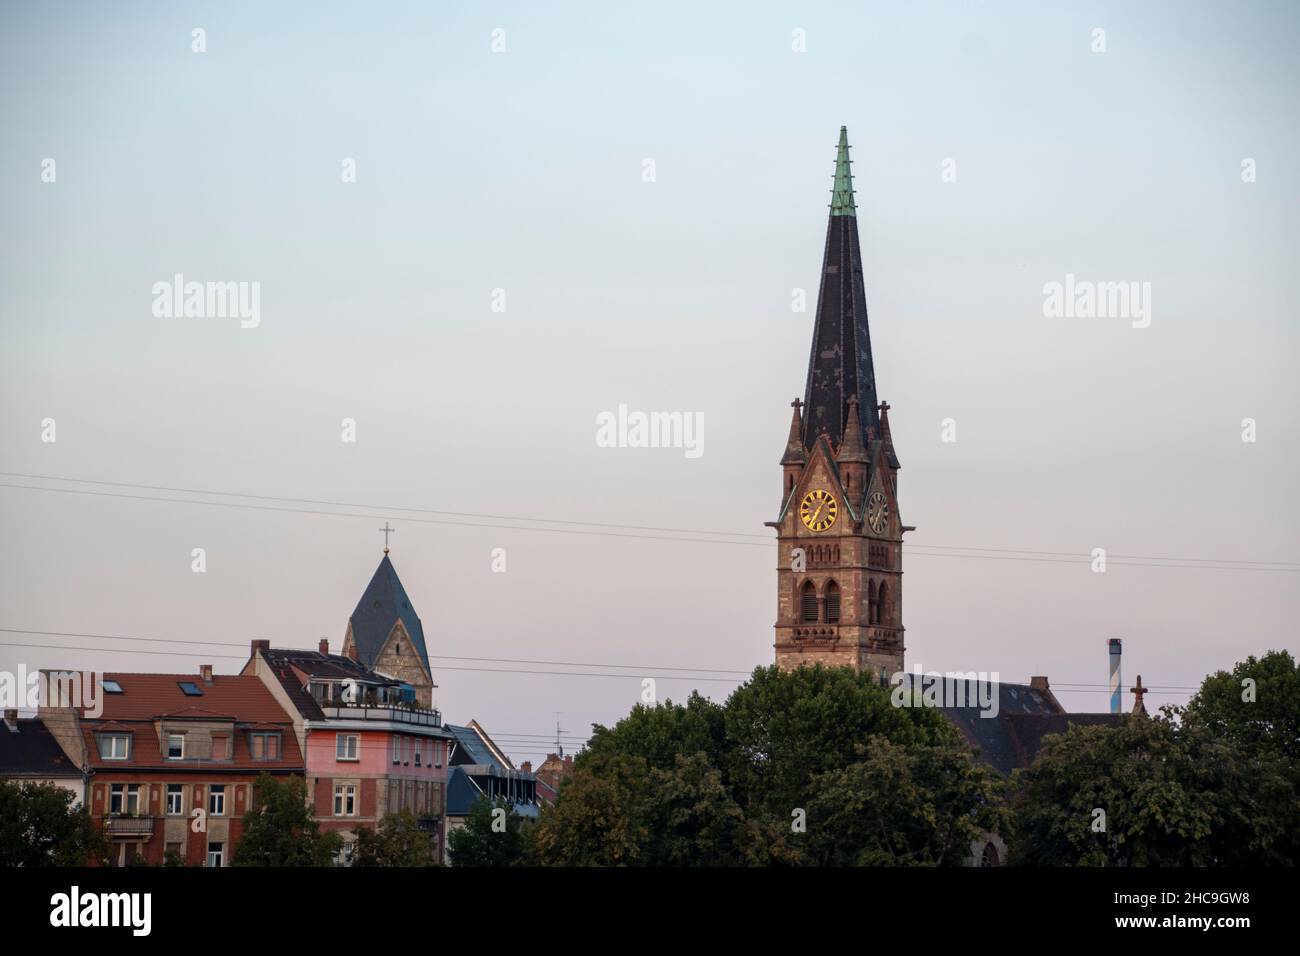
{"points": [[523, 170]]}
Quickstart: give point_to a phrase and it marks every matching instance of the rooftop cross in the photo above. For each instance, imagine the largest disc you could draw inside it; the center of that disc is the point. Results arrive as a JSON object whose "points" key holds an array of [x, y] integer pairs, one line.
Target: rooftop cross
{"points": [[387, 531], [1139, 691]]}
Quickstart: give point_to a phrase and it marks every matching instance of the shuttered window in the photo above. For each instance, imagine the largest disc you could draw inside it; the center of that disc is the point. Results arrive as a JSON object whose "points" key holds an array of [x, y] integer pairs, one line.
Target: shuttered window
{"points": [[809, 603]]}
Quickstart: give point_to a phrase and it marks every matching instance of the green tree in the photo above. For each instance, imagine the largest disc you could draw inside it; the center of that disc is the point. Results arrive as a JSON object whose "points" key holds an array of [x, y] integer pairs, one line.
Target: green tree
{"points": [[1263, 719], [280, 830], [713, 785], [617, 810], [399, 841], [39, 826], [660, 733], [1171, 794], [783, 728], [599, 818], [915, 805], [493, 835]]}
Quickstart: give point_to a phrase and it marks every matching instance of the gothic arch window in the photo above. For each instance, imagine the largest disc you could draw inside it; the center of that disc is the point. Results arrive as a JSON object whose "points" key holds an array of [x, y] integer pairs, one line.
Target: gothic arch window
{"points": [[882, 604], [990, 856], [832, 603], [872, 616], [789, 483], [808, 603]]}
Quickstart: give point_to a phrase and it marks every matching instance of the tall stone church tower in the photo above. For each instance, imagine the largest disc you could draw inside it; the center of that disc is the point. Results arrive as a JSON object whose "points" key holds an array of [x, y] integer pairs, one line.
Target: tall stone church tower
{"points": [[840, 537]]}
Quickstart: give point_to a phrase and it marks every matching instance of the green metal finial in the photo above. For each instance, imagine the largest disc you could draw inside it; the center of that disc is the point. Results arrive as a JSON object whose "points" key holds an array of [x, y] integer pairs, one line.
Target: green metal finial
{"points": [[842, 194]]}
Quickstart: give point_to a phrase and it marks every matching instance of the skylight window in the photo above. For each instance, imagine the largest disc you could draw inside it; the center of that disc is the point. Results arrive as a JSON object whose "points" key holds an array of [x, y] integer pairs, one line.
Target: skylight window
{"points": [[190, 689], [111, 687]]}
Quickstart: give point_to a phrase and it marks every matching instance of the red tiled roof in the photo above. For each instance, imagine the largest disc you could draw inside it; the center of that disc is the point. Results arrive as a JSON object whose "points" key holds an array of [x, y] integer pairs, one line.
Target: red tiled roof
{"points": [[145, 698], [230, 696]]}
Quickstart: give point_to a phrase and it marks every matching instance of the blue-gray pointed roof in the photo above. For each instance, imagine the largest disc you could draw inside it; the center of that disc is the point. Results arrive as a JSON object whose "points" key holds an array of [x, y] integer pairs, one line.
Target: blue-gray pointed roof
{"points": [[382, 605]]}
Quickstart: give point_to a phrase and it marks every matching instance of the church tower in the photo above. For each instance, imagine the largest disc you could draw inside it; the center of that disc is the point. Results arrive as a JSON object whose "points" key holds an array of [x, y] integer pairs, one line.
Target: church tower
{"points": [[385, 634], [839, 534]]}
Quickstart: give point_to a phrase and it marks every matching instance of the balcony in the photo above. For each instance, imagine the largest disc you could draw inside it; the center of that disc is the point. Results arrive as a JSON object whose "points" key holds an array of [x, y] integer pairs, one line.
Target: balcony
{"points": [[393, 713], [125, 826]]}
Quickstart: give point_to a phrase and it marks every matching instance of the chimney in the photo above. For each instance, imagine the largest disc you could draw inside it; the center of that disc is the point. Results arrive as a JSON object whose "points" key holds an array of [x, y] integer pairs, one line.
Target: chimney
{"points": [[11, 719], [568, 763], [1116, 649], [324, 646], [526, 766], [259, 646], [205, 671]]}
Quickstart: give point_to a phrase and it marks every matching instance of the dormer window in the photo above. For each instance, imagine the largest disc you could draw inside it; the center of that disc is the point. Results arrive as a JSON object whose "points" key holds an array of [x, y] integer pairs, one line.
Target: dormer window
{"points": [[115, 746], [264, 746], [175, 746]]}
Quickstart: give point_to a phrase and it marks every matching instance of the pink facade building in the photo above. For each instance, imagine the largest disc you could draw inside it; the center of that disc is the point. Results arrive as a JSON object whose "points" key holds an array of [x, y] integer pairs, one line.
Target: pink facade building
{"points": [[370, 747]]}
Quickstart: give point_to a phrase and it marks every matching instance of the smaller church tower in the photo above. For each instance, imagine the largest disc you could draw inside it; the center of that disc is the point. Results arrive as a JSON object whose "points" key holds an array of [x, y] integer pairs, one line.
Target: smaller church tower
{"points": [[385, 634]]}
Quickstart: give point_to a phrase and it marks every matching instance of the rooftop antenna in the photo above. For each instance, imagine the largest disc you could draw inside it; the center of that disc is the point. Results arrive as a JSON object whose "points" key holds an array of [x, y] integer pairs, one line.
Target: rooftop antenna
{"points": [[559, 748]]}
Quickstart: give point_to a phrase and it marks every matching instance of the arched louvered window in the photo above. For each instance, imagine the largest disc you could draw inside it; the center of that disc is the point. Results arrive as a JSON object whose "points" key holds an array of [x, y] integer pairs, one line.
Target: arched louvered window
{"points": [[832, 603], [808, 602], [871, 603]]}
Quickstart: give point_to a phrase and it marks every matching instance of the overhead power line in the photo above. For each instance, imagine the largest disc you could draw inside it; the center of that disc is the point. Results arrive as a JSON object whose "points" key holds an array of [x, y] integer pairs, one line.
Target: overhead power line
{"points": [[607, 529]]}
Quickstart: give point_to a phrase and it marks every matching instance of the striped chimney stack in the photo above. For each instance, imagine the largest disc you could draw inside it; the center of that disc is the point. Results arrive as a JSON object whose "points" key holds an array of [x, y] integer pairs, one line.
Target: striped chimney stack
{"points": [[1115, 682]]}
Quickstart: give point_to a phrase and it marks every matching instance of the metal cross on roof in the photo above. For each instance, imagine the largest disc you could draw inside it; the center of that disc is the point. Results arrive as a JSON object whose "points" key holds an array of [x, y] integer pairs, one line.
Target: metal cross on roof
{"points": [[387, 531]]}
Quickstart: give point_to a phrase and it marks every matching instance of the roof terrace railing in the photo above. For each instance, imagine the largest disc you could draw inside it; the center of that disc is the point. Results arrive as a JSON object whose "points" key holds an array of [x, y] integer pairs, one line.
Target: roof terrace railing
{"points": [[394, 713]]}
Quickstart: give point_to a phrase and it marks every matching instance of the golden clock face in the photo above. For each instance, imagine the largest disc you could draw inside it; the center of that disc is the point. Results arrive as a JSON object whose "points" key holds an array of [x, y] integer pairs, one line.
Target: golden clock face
{"points": [[818, 510], [877, 512]]}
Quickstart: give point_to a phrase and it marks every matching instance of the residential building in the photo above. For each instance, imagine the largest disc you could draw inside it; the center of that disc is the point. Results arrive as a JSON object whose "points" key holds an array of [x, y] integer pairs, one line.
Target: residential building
{"points": [[371, 749], [480, 770], [29, 753], [173, 759]]}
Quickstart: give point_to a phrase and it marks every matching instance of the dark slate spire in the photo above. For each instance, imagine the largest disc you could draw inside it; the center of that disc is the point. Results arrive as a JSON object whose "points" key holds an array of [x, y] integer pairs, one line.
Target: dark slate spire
{"points": [[840, 362], [381, 606]]}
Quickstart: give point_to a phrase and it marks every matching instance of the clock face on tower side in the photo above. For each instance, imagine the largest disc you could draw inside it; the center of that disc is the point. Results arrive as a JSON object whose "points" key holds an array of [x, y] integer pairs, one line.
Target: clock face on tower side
{"points": [[877, 512], [818, 510]]}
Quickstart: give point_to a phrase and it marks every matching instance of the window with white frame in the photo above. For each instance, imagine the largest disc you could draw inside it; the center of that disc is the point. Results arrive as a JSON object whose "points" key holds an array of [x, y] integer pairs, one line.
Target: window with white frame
{"points": [[397, 749], [124, 799], [114, 746], [217, 800], [175, 746], [347, 747], [345, 800], [419, 745], [175, 799]]}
